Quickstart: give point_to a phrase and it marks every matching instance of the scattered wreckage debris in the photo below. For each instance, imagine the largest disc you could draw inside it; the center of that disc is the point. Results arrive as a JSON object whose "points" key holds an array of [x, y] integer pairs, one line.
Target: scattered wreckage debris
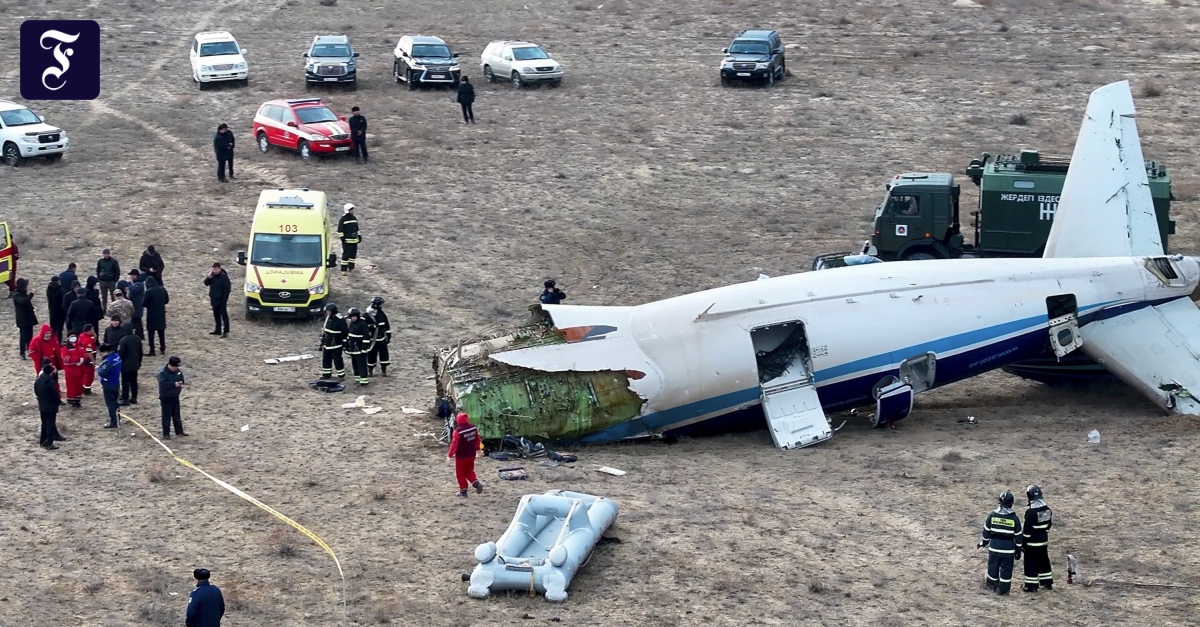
{"points": [[610, 471], [280, 360], [324, 385], [514, 473]]}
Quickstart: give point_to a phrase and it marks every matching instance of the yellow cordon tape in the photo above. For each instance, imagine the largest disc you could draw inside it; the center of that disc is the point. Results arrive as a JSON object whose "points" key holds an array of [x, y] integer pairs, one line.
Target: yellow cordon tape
{"points": [[257, 503]]}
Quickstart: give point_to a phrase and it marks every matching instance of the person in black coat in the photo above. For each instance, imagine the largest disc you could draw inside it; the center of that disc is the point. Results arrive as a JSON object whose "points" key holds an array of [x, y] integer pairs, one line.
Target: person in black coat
{"points": [[115, 331], [26, 317], [466, 98], [79, 313], [135, 292], [108, 272], [218, 296], [358, 134], [48, 398], [154, 305], [206, 604], [223, 147], [130, 351], [92, 292], [70, 296], [68, 277], [151, 264], [54, 298]]}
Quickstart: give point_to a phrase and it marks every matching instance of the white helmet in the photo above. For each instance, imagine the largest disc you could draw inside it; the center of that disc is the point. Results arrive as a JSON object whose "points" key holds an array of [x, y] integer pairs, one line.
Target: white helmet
{"points": [[349, 207]]}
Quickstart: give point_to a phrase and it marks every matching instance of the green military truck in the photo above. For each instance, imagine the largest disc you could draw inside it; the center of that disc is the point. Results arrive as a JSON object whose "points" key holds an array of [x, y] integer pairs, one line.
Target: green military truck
{"points": [[1018, 195]]}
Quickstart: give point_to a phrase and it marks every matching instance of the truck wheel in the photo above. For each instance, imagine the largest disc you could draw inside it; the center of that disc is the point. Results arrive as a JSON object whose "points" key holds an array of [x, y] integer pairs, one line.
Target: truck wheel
{"points": [[488, 76], [12, 155], [919, 256]]}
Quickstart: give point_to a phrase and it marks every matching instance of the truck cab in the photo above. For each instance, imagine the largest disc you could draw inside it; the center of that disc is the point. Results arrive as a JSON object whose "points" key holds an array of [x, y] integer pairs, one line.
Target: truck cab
{"points": [[288, 257], [1018, 197]]}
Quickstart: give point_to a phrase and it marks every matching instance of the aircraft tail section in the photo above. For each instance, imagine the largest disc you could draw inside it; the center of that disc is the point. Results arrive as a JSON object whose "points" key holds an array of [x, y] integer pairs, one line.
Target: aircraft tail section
{"points": [[1106, 209]]}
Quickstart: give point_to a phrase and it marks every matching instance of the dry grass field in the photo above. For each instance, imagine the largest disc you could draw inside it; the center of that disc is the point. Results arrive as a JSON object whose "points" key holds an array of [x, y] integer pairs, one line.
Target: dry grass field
{"points": [[639, 178]]}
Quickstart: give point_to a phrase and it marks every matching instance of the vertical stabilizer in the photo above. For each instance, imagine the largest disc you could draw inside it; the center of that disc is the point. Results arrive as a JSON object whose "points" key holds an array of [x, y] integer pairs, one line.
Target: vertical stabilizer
{"points": [[1106, 209]]}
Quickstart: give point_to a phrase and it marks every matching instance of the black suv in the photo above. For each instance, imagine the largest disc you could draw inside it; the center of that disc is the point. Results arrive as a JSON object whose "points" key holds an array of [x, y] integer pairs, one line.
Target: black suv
{"points": [[754, 55], [330, 60]]}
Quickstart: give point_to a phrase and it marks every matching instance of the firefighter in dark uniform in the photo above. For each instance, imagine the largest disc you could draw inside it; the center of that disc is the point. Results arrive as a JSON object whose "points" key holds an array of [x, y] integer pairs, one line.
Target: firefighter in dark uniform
{"points": [[358, 336], [333, 335], [348, 232], [1038, 520], [1002, 537], [382, 335]]}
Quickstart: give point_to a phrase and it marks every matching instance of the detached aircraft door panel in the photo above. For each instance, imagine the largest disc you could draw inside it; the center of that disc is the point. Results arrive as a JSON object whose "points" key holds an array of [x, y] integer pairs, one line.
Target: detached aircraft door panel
{"points": [[1064, 324], [794, 415]]}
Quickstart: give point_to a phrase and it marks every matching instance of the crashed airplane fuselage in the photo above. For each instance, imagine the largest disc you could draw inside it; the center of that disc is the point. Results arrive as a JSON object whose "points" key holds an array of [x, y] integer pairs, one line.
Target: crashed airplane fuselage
{"points": [[806, 344]]}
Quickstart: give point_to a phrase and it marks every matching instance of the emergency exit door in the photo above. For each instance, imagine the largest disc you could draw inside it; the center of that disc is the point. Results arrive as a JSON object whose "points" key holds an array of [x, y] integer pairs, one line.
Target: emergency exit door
{"points": [[1063, 317]]}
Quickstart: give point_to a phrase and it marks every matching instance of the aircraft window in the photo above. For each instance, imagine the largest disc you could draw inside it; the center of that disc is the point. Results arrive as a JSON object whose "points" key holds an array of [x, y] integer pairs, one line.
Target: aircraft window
{"points": [[1024, 184]]}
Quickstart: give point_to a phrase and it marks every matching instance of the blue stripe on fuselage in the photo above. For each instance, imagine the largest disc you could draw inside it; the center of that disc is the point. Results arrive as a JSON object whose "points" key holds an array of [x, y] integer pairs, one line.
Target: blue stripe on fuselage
{"points": [[856, 391]]}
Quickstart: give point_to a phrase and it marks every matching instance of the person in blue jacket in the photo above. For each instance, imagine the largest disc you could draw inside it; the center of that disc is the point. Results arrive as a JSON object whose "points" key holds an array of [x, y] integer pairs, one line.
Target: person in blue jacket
{"points": [[109, 372], [206, 605]]}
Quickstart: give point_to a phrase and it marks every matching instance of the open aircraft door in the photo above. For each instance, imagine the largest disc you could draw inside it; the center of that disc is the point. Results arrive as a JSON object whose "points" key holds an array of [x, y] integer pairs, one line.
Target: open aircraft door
{"points": [[789, 397], [8, 254], [1064, 324]]}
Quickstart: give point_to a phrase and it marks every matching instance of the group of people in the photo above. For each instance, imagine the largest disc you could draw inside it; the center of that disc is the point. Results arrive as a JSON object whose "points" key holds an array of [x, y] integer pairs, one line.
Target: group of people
{"points": [[1007, 539], [364, 336]]}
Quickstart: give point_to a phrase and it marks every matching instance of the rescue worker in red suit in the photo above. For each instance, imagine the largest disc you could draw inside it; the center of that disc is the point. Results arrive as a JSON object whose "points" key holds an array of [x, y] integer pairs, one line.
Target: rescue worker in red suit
{"points": [[74, 357], [87, 341], [45, 345], [465, 444]]}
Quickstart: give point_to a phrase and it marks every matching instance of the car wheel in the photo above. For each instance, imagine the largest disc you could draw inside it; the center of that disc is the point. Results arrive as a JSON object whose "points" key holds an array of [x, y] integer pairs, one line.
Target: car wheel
{"points": [[725, 82], [396, 72], [307, 86], [201, 85], [516, 80], [54, 157], [771, 78], [263, 144], [782, 69], [488, 76], [12, 155], [354, 85], [412, 81], [245, 82], [305, 151]]}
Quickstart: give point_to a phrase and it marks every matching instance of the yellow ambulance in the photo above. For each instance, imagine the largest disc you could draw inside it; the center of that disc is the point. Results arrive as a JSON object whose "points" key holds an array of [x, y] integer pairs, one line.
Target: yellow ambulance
{"points": [[289, 255]]}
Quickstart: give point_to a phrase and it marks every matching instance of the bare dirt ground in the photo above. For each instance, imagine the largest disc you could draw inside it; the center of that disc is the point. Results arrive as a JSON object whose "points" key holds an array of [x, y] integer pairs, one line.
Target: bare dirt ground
{"points": [[640, 178]]}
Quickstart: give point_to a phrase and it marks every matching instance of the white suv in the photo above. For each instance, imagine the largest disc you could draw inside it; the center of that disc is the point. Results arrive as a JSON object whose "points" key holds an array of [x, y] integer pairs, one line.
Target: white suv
{"points": [[25, 135], [521, 62], [216, 57]]}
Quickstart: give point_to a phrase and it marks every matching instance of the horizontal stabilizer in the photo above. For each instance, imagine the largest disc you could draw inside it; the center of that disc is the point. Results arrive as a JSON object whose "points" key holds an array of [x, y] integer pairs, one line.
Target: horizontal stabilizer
{"points": [[1156, 350], [1106, 209]]}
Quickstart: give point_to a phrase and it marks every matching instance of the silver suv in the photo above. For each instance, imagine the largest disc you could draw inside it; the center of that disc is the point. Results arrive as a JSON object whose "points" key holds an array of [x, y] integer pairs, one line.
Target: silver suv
{"points": [[331, 60], [521, 62], [425, 60]]}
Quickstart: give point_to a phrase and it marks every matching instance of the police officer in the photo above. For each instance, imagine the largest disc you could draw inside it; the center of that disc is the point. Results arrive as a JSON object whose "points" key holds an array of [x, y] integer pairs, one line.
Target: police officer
{"points": [[333, 334], [551, 295], [206, 604], [358, 336], [382, 336], [348, 232], [1038, 520], [1002, 537]]}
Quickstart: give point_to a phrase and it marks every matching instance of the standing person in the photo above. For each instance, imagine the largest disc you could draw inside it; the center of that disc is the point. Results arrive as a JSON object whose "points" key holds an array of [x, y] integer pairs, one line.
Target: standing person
{"points": [[551, 295], [333, 335], [45, 345], [223, 146], [109, 371], [1038, 520], [1002, 537], [381, 335], [465, 444], [54, 297], [151, 264], [73, 360], [358, 334], [348, 232], [70, 295], [206, 605], [130, 350], [79, 313], [108, 270], [136, 293], [68, 277], [466, 98], [218, 296], [170, 384], [26, 316], [115, 331], [358, 134], [92, 293], [48, 398], [120, 306], [154, 303], [87, 341]]}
